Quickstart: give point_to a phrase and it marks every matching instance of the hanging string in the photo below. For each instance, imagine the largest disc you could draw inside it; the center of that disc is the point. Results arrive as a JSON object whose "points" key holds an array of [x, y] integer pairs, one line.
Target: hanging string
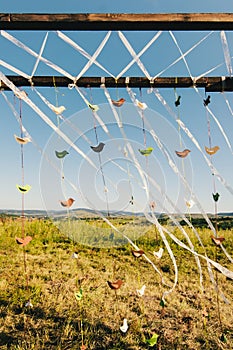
{"points": [[100, 160]]}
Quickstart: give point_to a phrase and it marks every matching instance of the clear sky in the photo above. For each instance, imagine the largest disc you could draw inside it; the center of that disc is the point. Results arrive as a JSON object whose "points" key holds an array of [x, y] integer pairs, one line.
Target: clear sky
{"points": [[120, 173]]}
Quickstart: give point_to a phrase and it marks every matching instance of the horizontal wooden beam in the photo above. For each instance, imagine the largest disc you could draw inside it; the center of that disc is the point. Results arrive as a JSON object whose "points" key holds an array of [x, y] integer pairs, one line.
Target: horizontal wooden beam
{"points": [[210, 84], [117, 21]]}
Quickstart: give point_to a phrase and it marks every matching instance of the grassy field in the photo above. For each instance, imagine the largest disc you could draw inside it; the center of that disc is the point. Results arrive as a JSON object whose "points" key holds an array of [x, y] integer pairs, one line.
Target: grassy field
{"points": [[74, 308]]}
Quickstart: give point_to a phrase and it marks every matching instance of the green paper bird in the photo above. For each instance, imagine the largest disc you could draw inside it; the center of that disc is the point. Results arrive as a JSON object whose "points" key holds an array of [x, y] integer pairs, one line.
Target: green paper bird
{"points": [[153, 340], [61, 154], [147, 151], [78, 295]]}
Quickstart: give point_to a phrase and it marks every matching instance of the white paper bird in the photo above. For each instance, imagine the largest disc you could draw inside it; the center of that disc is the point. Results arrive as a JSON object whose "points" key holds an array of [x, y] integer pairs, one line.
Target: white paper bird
{"points": [[75, 255], [189, 203], [28, 304], [140, 292], [141, 105], [58, 110], [125, 326], [158, 254]]}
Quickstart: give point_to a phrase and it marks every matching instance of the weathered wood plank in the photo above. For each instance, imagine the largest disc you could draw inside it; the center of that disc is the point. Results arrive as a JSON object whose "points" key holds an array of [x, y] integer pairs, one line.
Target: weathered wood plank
{"points": [[117, 21], [210, 84]]}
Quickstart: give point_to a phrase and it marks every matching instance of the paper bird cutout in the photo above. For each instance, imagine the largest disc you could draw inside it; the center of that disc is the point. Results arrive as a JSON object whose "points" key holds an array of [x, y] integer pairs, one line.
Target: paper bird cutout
{"points": [[75, 255], [94, 108], [190, 203], [177, 102], [125, 326], [153, 340], [23, 241], [23, 189], [28, 304], [183, 153], [22, 140], [217, 240], [118, 103], [141, 105], [115, 285], [98, 148], [131, 200], [211, 150], [58, 110], [67, 203], [152, 205], [61, 154], [159, 254], [140, 292], [79, 294], [147, 151], [137, 253], [215, 196], [206, 101]]}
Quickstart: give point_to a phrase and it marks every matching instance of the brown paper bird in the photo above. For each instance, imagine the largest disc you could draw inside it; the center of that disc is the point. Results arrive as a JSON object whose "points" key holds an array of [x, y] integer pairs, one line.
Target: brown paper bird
{"points": [[137, 253], [115, 285], [183, 153], [98, 148], [211, 150], [118, 103], [22, 140], [67, 203], [217, 240], [23, 241]]}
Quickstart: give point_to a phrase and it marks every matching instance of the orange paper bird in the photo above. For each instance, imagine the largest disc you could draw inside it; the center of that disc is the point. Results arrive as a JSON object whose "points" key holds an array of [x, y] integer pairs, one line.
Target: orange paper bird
{"points": [[217, 240], [23, 241], [115, 285], [183, 153], [211, 150], [67, 203], [118, 103], [22, 140], [141, 105], [137, 253]]}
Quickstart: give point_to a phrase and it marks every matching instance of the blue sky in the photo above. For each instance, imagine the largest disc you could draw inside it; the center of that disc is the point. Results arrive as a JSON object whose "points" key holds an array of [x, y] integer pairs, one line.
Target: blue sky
{"points": [[47, 184]]}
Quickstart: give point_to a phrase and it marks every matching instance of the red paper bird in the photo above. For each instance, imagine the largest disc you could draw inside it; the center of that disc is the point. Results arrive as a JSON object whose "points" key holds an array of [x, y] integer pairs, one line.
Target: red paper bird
{"points": [[118, 103], [183, 153], [23, 241], [115, 285], [217, 240], [67, 203], [137, 253]]}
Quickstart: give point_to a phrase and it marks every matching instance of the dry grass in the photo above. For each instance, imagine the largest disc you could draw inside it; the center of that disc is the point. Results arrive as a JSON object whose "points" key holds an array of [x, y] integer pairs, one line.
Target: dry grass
{"points": [[57, 320]]}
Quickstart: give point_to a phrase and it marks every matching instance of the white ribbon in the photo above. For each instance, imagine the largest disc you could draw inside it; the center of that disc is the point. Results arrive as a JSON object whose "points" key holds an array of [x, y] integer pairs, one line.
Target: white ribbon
{"points": [[226, 52]]}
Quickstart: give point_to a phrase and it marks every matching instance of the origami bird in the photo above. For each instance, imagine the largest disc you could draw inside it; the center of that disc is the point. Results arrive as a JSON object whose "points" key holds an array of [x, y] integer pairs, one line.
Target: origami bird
{"points": [[216, 196], [141, 105], [75, 255], [137, 253], [118, 103], [58, 110], [125, 326], [217, 240], [206, 101], [23, 189], [23, 241], [152, 205], [22, 140], [61, 154], [67, 203], [147, 151], [183, 153], [140, 292], [94, 108], [159, 253], [153, 340], [131, 201], [190, 203], [212, 150], [115, 285], [177, 102], [98, 148]]}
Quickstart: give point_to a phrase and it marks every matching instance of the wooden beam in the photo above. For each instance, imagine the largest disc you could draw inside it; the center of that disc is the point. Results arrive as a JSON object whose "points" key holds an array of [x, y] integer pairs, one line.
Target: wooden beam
{"points": [[210, 84], [117, 21]]}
